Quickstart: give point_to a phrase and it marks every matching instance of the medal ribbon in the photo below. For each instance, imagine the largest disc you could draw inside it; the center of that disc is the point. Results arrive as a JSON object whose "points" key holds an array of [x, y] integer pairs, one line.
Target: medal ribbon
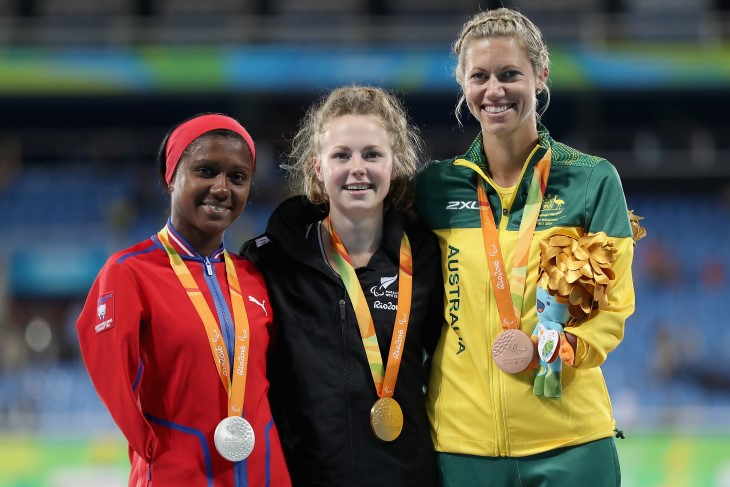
{"points": [[235, 386], [384, 382], [509, 296]]}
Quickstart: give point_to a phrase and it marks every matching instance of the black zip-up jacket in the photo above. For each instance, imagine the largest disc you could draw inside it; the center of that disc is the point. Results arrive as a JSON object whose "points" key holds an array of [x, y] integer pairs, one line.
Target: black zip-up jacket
{"points": [[321, 386]]}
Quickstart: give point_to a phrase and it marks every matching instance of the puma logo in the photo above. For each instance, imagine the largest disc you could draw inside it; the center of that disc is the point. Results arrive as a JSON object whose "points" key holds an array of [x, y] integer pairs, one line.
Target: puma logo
{"points": [[260, 303]]}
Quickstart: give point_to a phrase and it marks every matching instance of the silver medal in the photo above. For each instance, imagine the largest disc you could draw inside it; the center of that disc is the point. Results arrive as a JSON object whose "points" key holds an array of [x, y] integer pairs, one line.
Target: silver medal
{"points": [[234, 438]]}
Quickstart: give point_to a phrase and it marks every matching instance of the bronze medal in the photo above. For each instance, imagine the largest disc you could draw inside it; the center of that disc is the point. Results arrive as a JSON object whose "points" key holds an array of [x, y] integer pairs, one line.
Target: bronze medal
{"points": [[386, 418], [512, 351]]}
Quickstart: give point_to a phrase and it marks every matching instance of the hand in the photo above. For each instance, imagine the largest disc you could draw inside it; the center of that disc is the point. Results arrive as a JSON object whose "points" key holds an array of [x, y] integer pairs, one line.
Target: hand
{"points": [[567, 352]]}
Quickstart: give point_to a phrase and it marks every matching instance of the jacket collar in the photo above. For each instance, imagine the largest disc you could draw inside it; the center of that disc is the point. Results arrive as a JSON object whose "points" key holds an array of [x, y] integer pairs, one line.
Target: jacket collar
{"points": [[293, 220], [475, 158], [186, 250], [291, 223]]}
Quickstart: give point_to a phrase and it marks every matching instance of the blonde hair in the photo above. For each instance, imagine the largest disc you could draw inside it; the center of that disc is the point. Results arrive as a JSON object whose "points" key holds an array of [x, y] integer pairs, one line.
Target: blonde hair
{"points": [[385, 110], [502, 22]]}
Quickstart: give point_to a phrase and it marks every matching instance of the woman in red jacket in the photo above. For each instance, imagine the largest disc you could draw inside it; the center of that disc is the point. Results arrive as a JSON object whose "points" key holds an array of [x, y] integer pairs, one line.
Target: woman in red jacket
{"points": [[175, 329]]}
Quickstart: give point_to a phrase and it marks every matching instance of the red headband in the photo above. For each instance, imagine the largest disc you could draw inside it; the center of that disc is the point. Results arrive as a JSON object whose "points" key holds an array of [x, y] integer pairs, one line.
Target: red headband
{"points": [[188, 131]]}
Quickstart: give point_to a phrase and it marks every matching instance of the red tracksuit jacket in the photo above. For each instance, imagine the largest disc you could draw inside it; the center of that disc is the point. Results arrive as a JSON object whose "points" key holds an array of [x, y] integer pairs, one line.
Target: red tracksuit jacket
{"points": [[147, 353]]}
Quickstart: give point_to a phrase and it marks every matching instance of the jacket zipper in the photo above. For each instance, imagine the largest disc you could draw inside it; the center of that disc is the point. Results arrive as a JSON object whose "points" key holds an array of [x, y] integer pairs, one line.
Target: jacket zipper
{"points": [[241, 472], [494, 378], [500, 410], [225, 325], [345, 357], [225, 328]]}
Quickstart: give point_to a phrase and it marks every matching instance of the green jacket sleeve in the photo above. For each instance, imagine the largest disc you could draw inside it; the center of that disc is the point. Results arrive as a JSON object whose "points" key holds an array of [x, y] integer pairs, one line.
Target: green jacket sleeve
{"points": [[606, 211]]}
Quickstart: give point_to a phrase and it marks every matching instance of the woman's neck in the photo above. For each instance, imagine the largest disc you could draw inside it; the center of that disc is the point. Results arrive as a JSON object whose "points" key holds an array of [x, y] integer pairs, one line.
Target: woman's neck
{"points": [[361, 236], [506, 157], [207, 249], [203, 243]]}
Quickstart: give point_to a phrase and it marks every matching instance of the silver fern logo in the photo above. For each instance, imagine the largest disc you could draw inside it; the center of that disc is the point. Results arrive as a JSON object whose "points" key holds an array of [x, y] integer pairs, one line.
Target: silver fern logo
{"points": [[383, 290]]}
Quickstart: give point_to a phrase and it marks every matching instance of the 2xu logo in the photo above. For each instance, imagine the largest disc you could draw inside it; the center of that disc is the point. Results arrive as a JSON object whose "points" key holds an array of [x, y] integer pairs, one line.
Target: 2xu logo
{"points": [[462, 205]]}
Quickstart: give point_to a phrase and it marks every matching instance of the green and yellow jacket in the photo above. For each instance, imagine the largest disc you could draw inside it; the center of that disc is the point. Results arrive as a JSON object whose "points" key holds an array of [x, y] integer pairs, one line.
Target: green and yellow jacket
{"points": [[474, 407]]}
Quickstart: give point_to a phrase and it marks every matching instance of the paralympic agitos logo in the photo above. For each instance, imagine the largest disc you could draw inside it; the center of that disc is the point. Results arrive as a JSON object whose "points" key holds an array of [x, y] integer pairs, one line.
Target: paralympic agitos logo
{"points": [[382, 290]]}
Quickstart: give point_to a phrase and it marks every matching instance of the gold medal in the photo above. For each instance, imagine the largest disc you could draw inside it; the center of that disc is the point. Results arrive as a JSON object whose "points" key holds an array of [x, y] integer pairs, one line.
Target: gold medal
{"points": [[512, 351], [386, 419], [386, 416]]}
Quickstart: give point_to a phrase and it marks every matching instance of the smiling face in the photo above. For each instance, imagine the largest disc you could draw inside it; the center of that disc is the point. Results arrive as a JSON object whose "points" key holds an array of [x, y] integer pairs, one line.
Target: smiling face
{"points": [[355, 163], [209, 189], [500, 85]]}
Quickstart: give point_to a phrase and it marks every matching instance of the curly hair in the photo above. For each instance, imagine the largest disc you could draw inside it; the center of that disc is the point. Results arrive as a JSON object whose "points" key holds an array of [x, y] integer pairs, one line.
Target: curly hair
{"points": [[386, 110]]}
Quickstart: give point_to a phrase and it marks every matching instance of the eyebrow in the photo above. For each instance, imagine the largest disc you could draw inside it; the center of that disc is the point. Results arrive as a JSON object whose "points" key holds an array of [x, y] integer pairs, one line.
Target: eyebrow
{"points": [[500, 68], [348, 148], [218, 164]]}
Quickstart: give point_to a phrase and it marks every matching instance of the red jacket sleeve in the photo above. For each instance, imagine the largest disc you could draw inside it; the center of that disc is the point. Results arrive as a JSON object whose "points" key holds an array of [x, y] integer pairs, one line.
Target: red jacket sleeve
{"points": [[109, 335]]}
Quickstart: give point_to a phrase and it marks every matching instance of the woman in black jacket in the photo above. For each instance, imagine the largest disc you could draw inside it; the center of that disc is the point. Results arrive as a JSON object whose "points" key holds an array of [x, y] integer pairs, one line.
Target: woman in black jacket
{"points": [[356, 291]]}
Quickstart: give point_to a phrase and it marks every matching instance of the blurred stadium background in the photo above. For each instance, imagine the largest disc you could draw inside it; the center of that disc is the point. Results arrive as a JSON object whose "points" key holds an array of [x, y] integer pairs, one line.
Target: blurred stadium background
{"points": [[88, 88]]}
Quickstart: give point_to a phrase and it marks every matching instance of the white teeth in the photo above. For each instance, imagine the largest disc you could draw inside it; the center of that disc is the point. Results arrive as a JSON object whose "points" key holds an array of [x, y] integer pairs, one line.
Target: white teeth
{"points": [[492, 109], [356, 187], [217, 209]]}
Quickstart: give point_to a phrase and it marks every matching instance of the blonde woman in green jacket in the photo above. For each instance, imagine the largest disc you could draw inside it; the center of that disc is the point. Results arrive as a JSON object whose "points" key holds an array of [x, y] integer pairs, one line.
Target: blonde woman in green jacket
{"points": [[491, 208]]}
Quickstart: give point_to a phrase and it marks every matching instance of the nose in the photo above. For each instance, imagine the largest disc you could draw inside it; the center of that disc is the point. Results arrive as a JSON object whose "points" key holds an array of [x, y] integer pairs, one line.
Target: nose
{"points": [[495, 88], [219, 186], [357, 165]]}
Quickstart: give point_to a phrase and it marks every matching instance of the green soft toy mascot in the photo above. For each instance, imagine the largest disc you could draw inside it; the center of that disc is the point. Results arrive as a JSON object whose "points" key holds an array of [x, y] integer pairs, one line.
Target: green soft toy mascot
{"points": [[552, 347]]}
